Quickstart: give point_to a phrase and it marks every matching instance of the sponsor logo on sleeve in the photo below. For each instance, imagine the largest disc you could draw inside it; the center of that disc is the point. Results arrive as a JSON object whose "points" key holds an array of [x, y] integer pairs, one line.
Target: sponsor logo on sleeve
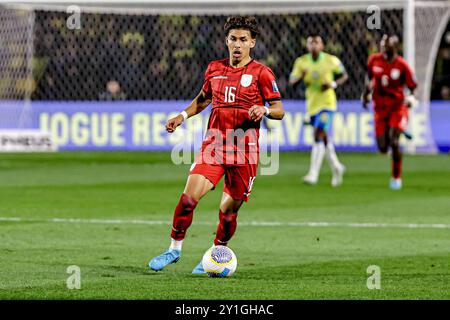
{"points": [[274, 86]]}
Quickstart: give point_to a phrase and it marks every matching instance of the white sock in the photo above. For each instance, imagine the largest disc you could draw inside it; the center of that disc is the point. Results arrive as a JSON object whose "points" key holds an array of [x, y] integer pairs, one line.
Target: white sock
{"points": [[332, 157], [176, 244], [317, 154]]}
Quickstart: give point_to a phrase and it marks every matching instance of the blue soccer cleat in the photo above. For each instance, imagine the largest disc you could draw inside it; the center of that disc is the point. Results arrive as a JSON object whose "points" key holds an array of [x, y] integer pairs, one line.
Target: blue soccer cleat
{"points": [[395, 184], [164, 259], [199, 269], [408, 135]]}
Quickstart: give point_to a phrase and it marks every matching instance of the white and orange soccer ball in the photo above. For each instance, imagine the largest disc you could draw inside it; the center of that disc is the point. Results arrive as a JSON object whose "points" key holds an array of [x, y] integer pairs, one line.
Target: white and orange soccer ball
{"points": [[219, 261]]}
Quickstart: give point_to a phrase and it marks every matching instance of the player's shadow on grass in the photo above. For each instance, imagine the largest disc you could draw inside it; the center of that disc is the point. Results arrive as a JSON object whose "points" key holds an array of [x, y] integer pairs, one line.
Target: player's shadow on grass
{"points": [[112, 271], [115, 271]]}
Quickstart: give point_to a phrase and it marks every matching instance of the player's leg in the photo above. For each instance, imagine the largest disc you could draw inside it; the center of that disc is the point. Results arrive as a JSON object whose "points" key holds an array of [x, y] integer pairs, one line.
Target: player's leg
{"points": [[228, 212], [387, 138], [396, 182], [237, 188], [227, 225], [317, 153], [337, 168], [398, 123], [203, 177], [383, 143], [196, 187], [382, 132]]}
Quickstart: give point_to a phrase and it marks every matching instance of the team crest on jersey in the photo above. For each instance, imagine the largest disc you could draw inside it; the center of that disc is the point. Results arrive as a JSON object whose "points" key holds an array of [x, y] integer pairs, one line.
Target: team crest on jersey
{"points": [[246, 80], [395, 74]]}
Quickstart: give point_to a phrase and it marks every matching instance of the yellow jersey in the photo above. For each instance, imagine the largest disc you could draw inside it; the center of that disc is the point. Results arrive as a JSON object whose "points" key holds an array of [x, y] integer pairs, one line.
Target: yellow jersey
{"points": [[318, 72]]}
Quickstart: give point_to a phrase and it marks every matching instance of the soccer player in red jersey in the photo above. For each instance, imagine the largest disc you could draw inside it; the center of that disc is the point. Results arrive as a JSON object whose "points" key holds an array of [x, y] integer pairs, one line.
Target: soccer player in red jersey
{"points": [[387, 76], [238, 88]]}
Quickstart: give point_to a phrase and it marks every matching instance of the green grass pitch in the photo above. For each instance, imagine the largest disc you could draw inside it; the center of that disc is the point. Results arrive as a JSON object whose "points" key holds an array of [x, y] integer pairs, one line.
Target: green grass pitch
{"points": [[284, 261]]}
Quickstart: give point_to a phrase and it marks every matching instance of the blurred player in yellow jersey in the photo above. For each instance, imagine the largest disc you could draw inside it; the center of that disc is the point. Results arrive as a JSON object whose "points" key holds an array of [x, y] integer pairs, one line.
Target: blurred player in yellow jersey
{"points": [[322, 73]]}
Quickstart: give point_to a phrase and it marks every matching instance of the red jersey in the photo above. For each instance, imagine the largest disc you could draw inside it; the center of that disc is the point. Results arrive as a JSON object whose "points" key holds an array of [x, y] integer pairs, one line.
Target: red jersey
{"points": [[389, 80], [234, 91]]}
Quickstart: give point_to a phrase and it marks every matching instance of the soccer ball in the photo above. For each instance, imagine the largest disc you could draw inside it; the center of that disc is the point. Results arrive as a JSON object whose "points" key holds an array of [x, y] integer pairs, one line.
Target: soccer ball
{"points": [[219, 261]]}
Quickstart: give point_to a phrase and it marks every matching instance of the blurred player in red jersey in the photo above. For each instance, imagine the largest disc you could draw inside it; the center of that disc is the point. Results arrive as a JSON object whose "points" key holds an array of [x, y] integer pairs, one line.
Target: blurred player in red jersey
{"points": [[387, 76], [238, 88]]}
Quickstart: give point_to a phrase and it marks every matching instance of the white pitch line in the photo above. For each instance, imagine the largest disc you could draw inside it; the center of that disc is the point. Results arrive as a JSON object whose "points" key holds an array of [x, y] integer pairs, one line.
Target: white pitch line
{"points": [[243, 223]]}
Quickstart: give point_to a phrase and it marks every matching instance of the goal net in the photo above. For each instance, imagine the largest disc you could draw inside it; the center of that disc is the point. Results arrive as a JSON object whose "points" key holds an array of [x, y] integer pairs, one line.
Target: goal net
{"points": [[16, 56]]}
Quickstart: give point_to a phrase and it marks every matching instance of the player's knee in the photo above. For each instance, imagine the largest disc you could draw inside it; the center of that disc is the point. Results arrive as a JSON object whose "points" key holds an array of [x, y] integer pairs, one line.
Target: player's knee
{"points": [[229, 217], [230, 209], [319, 135], [382, 145], [395, 144], [319, 138], [383, 148]]}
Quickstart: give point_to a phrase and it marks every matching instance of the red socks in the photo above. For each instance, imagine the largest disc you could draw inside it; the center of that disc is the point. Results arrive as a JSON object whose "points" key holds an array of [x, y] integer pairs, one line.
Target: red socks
{"points": [[226, 228], [396, 168], [182, 217]]}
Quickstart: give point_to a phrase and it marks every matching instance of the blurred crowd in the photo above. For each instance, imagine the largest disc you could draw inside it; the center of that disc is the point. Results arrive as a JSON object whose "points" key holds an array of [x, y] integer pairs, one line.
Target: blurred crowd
{"points": [[441, 79], [130, 57]]}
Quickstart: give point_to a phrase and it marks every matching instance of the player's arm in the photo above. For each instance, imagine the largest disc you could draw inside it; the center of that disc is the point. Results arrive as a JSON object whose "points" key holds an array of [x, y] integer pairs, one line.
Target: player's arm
{"points": [[343, 77], [410, 99], [411, 84], [297, 74], [295, 80], [200, 102], [274, 111], [367, 92], [339, 72], [366, 95], [271, 94], [340, 79]]}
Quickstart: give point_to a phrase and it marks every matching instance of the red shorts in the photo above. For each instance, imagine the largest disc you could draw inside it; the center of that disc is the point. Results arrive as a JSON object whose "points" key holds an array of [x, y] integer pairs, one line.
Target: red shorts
{"points": [[238, 178], [390, 118]]}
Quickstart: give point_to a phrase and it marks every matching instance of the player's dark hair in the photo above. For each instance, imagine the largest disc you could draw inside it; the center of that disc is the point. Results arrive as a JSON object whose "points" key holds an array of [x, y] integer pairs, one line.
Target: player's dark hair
{"points": [[242, 22], [390, 34], [316, 35]]}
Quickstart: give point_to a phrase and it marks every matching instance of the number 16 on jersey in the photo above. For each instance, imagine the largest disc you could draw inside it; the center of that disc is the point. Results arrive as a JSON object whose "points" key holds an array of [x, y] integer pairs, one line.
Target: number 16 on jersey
{"points": [[230, 94]]}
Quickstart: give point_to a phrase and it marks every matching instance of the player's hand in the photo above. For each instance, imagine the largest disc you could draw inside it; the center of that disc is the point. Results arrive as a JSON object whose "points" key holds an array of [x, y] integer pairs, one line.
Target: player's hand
{"points": [[256, 113], [411, 101], [365, 104], [307, 120], [173, 123], [325, 86]]}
